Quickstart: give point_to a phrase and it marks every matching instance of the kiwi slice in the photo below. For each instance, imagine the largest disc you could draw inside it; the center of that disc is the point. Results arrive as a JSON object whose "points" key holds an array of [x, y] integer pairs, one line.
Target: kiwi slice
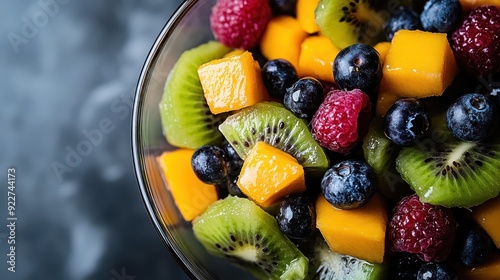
{"points": [[446, 171], [347, 22], [274, 124], [238, 229], [186, 119]]}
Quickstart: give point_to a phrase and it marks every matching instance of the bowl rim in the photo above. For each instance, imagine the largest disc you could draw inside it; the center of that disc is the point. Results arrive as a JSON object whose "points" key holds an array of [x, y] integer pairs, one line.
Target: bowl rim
{"points": [[137, 150]]}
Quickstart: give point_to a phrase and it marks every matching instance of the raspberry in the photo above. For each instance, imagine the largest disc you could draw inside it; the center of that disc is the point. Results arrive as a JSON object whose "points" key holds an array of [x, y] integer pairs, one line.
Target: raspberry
{"points": [[341, 120], [476, 42], [240, 23], [422, 229]]}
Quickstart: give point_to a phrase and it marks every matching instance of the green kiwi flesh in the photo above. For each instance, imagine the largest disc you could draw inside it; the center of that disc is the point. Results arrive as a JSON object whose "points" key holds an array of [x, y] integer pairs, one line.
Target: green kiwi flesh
{"points": [[186, 119], [446, 171], [347, 22], [239, 230], [274, 124]]}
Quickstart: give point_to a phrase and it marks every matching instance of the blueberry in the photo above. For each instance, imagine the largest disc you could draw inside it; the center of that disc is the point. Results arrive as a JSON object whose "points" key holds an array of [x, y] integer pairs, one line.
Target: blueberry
{"points": [[234, 159], [436, 271], [406, 122], [283, 7], [278, 75], [304, 97], [474, 246], [404, 266], [349, 184], [297, 217], [406, 19], [472, 117], [233, 188], [358, 67], [210, 164], [441, 15]]}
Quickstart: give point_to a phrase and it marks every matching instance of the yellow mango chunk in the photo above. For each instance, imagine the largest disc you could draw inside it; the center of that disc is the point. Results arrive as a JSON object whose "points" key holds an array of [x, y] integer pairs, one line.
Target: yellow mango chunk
{"points": [[316, 58], [419, 64], [487, 215], [232, 83], [385, 99], [191, 195], [269, 174], [235, 52], [282, 39], [468, 5], [305, 15], [382, 49], [358, 232], [489, 270]]}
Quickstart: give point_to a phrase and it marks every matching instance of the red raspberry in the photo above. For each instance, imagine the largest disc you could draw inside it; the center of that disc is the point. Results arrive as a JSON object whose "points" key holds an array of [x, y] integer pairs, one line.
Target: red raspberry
{"points": [[240, 23], [341, 120], [422, 229], [476, 43]]}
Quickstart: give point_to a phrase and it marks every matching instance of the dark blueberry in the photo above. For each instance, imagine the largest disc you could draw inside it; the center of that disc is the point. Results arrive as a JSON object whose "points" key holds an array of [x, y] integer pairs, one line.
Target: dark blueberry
{"points": [[349, 184], [472, 117], [222, 190], [297, 217], [406, 122], [406, 19], [441, 15], [358, 67], [235, 161], [278, 75], [436, 271], [283, 7], [304, 97], [210, 164], [474, 246], [233, 189], [404, 266]]}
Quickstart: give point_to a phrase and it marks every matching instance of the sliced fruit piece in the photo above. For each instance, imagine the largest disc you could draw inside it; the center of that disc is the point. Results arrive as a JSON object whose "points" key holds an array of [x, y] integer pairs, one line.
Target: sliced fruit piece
{"points": [[469, 5], [232, 83], [305, 15], [419, 64], [282, 39], [317, 54], [486, 271], [385, 99], [272, 123], [186, 119], [347, 22], [357, 232], [487, 215], [383, 49], [269, 174], [238, 229], [191, 195]]}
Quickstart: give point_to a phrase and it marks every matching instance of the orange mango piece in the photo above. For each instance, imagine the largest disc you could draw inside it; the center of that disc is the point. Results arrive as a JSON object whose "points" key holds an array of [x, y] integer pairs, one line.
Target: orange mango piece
{"points": [[282, 39], [305, 15], [382, 49], [235, 52], [468, 5], [191, 195], [419, 64], [487, 215], [489, 270], [232, 83], [385, 99], [358, 232], [316, 58], [269, 174]]}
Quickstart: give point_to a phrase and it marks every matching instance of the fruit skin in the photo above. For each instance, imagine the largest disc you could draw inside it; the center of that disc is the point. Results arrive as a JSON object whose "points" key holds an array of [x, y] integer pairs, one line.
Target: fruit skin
{"points": [[358, 67], [421, 229], [441, 15], [341, 120], [349, 184], [476, 41], [472, 117], [240, 24], [297, 216], [406, 122], [436, 271], [406, 18], [278, 75], [474, 246], [234, 159], [304, 97], [210, 164]]}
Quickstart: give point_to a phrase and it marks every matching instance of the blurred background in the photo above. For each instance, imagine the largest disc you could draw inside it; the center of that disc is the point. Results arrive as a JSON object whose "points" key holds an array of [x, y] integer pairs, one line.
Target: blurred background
{"points": [[65, 66]]}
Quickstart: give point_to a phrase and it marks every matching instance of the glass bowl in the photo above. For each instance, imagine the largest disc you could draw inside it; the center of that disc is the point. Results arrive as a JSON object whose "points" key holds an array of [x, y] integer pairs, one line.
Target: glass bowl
{"points": [[187, 28]]}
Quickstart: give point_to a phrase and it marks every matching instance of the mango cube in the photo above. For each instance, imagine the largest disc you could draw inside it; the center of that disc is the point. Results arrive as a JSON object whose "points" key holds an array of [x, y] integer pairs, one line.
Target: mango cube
{"points": [[419, 64], [269, 174], [357, 232], [316, 58], [306, 16], [382, 49], [487, 215], [232, 83]]}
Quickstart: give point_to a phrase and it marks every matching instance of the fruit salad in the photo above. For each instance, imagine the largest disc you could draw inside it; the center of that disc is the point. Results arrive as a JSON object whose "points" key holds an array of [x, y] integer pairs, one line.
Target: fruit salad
{"points": [[341, 139]]}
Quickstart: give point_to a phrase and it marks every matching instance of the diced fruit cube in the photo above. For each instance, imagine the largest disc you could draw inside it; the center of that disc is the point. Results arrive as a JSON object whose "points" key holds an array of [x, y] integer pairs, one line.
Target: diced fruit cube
{"points": [[232, 83], [269, 174], [383, 49], [419, 64], [468, 5], [191, 196], [358, 232], [282, 39], [305, 15], [316, 58], [487, 215], [385, 99]]}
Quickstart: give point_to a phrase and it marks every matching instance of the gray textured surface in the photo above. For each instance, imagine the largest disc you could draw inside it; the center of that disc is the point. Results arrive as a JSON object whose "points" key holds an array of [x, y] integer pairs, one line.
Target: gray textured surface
{"points": [[65, 66]]}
